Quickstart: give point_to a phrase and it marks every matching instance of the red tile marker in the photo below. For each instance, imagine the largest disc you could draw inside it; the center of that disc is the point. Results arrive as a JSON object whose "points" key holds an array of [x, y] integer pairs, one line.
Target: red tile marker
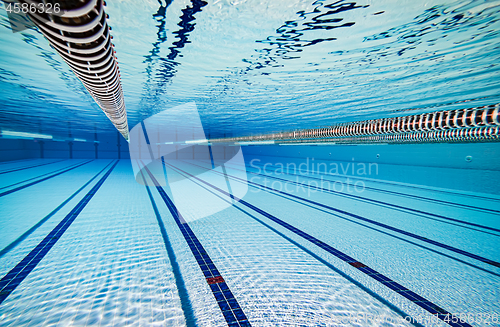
{"points": [[215, 280], [357, 264]]}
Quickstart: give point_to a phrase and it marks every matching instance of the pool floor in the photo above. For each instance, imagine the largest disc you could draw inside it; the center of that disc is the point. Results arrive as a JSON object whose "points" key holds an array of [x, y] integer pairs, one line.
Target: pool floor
{"points": [[85, 243]]}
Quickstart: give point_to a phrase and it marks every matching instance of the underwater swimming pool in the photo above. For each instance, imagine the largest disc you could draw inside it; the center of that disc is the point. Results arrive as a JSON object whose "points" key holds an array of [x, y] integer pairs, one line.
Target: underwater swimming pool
{"points": [[250, 163]]}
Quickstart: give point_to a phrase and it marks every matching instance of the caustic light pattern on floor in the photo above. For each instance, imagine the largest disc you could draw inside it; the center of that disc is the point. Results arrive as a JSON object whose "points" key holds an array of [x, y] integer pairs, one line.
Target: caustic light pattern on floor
{"points": [[83, 243]]}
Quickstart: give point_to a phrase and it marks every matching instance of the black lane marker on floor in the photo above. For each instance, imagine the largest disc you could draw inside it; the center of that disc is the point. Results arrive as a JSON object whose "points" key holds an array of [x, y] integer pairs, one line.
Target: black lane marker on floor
{"points": [[422, 302], [42, 179], [423, 214], [475, 208], [23, 168], [147, 140], [179, 280], [18, 161], [39, 176], [211, 156], [311, 253], [229, 306], [373, 228], [394, 229], [44, 219], [17, 274], [364, 199], [414, 186], [228, 183], [460, 205]]}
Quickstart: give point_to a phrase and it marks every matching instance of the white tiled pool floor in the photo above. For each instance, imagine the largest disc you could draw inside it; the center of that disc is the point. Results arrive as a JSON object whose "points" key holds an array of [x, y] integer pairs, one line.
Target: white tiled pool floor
{"points": [[111, 265]]}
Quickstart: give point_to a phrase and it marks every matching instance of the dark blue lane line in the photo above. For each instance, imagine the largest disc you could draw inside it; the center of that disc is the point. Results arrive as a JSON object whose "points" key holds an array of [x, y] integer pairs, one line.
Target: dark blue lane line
{"points": [[44, 219], [211, 156], [39, 176], [470, 207], [394, 229], [23, 168], [391, 284], [147, 140], [17, 274], [228, 305], [314, 255], [228, 184], [186, 306], [43, 179], [364, 199], [370, 227], [17, 161], [412, 186], [422, 198]]}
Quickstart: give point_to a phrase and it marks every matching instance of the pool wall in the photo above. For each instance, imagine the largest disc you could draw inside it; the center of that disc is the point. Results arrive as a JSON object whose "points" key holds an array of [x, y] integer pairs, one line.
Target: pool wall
{"points": [[466, 166]]}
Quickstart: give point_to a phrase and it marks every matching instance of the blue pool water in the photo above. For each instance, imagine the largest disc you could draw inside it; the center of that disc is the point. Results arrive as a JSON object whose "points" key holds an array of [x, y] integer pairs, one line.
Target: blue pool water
{"points": [[124, 259], [95, 231], [295, 64]]}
